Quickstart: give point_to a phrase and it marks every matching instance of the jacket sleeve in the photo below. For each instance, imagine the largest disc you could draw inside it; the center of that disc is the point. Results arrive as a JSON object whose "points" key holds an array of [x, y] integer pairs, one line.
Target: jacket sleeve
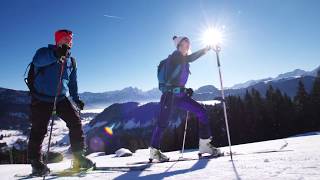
{"points": [[73, 86], [194, 56], [178, 58]]}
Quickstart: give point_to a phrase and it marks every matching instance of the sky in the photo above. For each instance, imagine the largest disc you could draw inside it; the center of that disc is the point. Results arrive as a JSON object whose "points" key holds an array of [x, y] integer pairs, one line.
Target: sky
{"points": [[120, 43]]}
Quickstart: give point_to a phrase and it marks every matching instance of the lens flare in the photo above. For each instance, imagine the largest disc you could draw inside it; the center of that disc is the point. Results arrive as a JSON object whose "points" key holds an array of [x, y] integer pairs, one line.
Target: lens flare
{"points": [[212, 37], [96, 144], [109, 130]]}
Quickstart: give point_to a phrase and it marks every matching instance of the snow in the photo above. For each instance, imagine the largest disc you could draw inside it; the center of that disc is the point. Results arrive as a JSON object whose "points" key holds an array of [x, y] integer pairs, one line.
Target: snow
{"points": [[60, 136], [123, 152], [10, 137], [99, 124], [141, 103], [300, 159], [209, 102], [131, 124], [97, 110]]}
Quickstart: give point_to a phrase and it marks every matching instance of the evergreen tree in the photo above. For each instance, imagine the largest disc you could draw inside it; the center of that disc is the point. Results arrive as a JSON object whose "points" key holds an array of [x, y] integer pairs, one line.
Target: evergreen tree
{"points": [[315, 101], [302, 102], [270, 117], [236, 116]]}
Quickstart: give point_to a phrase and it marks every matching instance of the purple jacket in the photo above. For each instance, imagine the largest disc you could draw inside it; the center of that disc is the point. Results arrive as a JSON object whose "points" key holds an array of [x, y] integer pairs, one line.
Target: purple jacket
{"points": [[177, 60]]}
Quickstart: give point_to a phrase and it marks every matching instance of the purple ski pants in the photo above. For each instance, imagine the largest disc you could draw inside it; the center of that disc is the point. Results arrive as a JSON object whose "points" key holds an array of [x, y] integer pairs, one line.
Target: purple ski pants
{"points": [[170, 101]]}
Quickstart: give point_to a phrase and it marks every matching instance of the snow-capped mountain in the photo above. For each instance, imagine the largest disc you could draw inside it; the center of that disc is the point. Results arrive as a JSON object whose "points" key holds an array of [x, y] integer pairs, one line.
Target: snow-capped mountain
{"points": [[287, 86], [297, 73], [204, 93], [290, 158], [314, 72], [293, 74], [125, 95], [249, 83]]}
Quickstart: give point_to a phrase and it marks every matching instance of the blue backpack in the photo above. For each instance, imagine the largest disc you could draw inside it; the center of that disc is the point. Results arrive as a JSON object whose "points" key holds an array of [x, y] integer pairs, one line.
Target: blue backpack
{"points": [[164, 76]]}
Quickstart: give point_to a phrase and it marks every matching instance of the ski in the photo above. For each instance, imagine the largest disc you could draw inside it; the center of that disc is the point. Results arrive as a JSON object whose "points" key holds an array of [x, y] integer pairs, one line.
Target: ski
{"points": [[179, 159], [65, 172], [123, 168], [71, 172], [25, 176], [258, 152], [200, 157], [83, 172]]}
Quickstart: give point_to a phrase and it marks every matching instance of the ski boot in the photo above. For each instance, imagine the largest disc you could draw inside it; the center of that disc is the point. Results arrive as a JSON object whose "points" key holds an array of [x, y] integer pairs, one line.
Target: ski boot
{"points": [[158, 155], [81, 162], [206, 146], [39, 168]]}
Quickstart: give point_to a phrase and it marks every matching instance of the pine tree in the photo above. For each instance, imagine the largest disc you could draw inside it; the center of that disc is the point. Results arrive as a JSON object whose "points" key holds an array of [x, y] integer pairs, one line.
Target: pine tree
{"points": [[259, 112], [287, 117], [315, 102], [302, 102], [270, 118], [236, 116], [250, 119]]}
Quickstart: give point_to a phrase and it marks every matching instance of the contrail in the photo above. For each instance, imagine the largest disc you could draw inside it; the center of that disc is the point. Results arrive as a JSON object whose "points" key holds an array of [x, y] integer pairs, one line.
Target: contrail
{"points": [[114, 17]]}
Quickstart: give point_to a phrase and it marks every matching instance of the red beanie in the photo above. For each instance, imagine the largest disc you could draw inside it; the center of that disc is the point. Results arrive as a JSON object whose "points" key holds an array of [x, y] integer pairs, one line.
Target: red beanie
{"points": [[63, 33]]}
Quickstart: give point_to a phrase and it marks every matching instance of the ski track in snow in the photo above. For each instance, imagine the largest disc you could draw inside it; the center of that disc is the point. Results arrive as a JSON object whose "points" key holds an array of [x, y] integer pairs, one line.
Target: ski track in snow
{"points": [[301, 162]]}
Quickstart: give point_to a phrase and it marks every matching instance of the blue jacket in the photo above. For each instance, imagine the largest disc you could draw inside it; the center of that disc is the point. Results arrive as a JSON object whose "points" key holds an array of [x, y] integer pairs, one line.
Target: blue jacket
{"points": [[47, 80]]}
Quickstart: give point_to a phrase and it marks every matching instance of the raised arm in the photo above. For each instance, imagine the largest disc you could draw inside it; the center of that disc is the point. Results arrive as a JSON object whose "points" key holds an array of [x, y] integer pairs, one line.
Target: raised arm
{"points": [[194, 56]]}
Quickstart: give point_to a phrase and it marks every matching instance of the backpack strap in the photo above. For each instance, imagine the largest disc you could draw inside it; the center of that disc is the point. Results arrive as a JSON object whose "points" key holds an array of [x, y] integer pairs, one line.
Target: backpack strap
{"points": [[174, 74]]}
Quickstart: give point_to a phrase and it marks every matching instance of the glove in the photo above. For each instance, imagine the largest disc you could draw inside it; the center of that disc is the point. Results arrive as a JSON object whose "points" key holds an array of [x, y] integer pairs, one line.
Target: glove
{"points": [[80, 104], [208, 48], [189, 92], [216, 48]]}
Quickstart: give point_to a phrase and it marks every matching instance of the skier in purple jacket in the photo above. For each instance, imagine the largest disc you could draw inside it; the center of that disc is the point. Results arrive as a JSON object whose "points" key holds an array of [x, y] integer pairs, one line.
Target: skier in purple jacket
{"points": [[175, 95]]}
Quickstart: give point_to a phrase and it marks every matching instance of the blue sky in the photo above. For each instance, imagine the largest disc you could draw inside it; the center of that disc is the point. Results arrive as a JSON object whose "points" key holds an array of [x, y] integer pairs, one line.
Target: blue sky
{"points": [[263, 38]]}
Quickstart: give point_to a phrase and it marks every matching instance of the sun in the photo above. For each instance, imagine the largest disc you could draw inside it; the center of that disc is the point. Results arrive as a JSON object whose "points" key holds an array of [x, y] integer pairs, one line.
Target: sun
{"points": [[212, 37]]}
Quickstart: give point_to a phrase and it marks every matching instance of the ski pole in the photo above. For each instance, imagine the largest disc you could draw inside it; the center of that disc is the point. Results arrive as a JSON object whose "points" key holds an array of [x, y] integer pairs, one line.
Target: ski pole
{"points": [[184, 135], [54, 112], [217, 50]]}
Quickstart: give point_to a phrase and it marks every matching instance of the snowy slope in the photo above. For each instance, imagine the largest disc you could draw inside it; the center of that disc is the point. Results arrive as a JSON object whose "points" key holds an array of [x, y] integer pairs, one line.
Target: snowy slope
{"points": [[300, 160], [11, 137]]}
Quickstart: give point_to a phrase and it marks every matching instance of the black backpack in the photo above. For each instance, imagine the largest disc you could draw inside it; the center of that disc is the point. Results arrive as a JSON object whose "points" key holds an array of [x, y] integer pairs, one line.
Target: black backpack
{"points": [[29, 80]]}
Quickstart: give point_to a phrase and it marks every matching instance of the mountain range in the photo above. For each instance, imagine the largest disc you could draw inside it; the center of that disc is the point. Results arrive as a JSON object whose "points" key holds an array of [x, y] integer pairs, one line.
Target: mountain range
{"points": [[289, 75], [14, 104], [286, 82]]}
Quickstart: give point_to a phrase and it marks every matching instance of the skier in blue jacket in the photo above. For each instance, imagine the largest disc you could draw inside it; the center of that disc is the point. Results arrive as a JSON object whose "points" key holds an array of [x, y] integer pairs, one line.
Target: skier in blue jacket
{"points": [[49, 63]]}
